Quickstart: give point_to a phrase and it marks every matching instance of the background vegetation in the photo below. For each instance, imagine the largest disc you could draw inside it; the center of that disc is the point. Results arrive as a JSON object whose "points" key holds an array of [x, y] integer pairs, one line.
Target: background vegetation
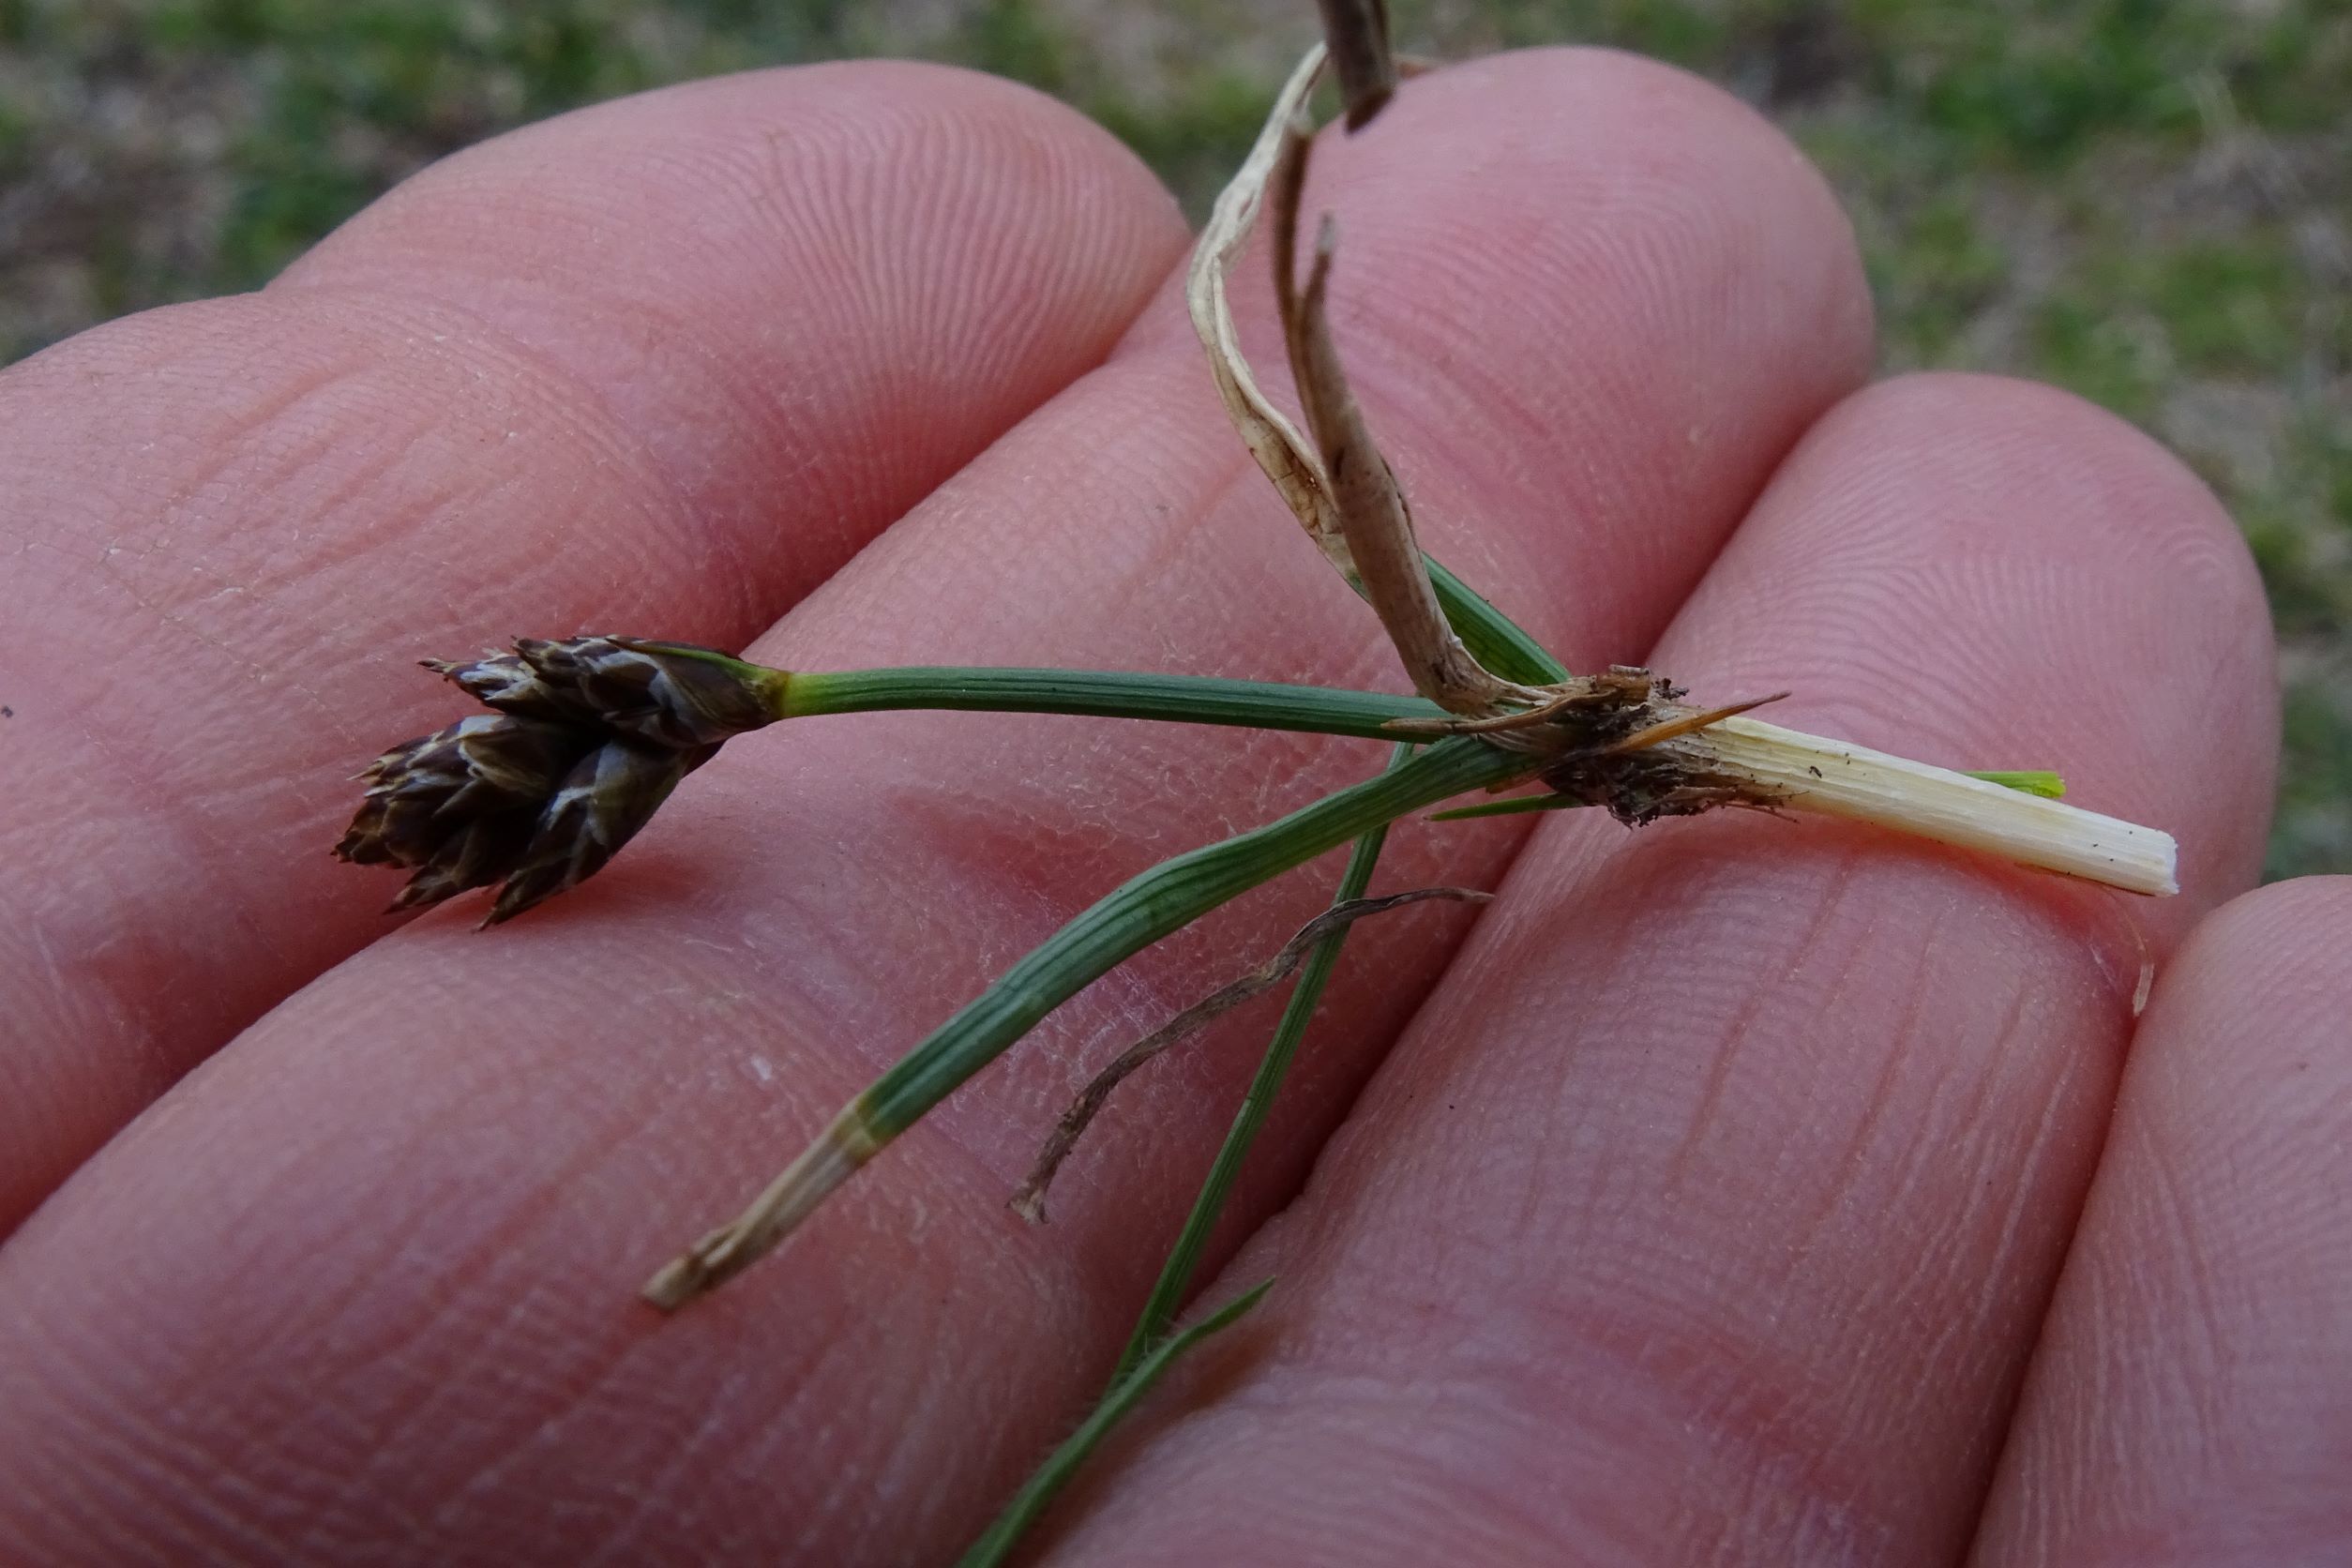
{"points": [[2147, 200]]}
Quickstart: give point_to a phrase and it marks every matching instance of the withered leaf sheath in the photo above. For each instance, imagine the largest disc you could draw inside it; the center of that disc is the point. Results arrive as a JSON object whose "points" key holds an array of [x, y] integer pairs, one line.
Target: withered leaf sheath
{"points": [[591, 735]]}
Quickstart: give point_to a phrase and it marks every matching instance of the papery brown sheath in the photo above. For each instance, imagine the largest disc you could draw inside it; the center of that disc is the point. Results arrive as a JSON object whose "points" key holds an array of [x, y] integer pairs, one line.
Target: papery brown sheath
{"points": [[591, 735]]}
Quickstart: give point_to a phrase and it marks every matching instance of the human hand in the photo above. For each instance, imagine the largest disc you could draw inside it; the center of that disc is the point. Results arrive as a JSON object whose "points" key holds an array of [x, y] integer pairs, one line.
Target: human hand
{"points": [[1716, 1199]]}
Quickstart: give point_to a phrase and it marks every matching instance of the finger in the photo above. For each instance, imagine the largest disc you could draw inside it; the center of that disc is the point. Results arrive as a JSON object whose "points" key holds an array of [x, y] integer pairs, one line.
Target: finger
{"points": [[2190, 1398], [1708, 1210], [501, 1137], [668, 362]]}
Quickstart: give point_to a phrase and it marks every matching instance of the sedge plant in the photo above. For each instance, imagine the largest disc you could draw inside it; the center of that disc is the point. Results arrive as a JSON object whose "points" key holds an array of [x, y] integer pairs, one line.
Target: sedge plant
{"points": [[586, 737]]}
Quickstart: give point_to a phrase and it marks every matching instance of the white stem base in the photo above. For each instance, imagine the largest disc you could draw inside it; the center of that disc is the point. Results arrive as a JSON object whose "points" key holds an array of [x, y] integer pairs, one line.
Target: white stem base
{"points": [[1838, 778]]}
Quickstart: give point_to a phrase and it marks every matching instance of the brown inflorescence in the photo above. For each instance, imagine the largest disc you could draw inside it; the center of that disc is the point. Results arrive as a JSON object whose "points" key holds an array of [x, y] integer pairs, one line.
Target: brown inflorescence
{"points": [[591, 735]]}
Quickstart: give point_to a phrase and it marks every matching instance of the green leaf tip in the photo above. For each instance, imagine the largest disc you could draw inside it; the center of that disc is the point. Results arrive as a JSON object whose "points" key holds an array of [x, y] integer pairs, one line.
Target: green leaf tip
{"points": [[2029, 781], [1040, 1489]]}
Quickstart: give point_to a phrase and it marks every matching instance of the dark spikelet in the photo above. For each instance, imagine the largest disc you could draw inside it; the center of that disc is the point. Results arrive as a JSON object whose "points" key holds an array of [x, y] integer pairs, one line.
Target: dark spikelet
{"points": [[609, 795], [591, 735], [670, 694], [476, 855], [457, 805]]}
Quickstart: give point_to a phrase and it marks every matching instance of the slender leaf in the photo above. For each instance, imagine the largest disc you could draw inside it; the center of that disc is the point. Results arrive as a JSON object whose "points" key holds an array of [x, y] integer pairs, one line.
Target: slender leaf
{"points": [[1041, 1488], [1511, 808], [1497, 641], [1167, 1292], [1165, 898]]}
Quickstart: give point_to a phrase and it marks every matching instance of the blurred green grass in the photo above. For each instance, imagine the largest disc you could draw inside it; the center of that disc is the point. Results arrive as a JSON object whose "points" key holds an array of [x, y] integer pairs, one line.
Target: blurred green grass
{"points": [[2147, 201]]}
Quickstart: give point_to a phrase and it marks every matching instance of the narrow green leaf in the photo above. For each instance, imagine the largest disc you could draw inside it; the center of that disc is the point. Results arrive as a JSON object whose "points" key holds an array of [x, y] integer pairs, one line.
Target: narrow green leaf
{"points": [[1498, 640], [1511, 808], [1050, 1477], [1168, 1293], [1165, 898]]}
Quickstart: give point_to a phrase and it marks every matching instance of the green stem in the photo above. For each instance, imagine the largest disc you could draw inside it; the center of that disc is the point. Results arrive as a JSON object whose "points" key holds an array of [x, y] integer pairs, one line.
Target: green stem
{"points": [[1050, 1477], [1498, 643], [1168, 1293], [1165, 898], [1185, 698]]}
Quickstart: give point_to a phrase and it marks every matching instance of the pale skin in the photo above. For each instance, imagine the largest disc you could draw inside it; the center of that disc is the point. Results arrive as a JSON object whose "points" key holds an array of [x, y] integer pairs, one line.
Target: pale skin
{"points": [[1736, 1190]]}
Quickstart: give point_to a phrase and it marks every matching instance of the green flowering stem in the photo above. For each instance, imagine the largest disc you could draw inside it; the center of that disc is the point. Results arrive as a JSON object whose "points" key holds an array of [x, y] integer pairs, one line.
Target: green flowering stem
{"points": [[1107, 694], [1051, 1476], [1183, 1257], [1498, 643], [1161, 900]]}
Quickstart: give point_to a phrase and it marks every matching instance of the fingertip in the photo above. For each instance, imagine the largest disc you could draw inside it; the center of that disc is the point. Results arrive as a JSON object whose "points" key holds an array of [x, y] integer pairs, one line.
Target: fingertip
{"points": [[2187, 1401], [1532, 174], [2240, 1076], [2109, 485], [893, 248], [2267, 972], [724, 147], [2286, 929]]}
